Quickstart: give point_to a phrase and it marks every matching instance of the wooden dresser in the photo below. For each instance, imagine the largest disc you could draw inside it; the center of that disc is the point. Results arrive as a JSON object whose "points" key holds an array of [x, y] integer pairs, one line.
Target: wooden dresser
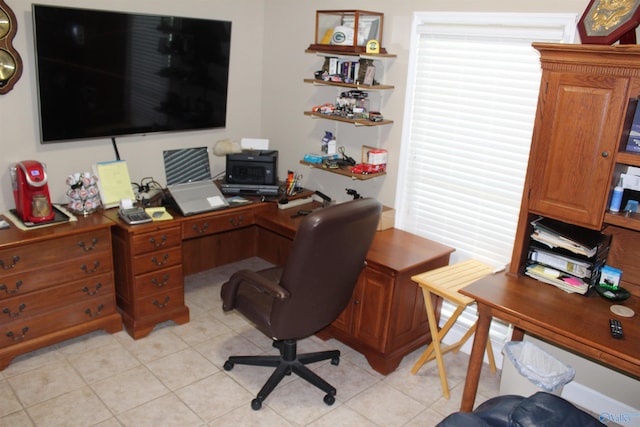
{"points": [[56, 283]]}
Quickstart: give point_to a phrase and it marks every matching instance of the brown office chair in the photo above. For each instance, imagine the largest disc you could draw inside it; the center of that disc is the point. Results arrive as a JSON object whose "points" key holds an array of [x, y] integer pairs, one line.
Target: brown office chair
{"points": [[309, 292]]}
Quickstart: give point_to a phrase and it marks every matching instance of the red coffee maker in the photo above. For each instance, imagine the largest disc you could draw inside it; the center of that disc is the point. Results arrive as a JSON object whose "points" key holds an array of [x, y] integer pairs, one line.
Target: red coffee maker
{"points": [[30, 191]]}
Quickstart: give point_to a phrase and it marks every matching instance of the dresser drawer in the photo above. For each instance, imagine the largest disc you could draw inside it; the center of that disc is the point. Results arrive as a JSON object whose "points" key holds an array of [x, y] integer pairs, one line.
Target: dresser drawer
{"points": [[217, 223], [154, 261], [86, 267], [161, 280], [158, 304], [156, 240], [40, 254], [30, 304], [21, 330]]}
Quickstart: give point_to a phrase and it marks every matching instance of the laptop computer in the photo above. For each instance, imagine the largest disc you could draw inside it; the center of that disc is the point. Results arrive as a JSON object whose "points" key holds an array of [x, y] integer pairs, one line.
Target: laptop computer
{"points": [[189, 181]]}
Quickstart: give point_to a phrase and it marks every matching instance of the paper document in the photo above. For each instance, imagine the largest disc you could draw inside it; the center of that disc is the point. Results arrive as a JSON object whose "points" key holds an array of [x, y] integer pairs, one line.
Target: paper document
{"points": [[114, 182]]}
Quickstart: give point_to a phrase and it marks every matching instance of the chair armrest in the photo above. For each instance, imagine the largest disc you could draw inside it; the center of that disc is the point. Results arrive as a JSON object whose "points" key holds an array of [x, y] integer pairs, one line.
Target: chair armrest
{"points": [[252, 278]]}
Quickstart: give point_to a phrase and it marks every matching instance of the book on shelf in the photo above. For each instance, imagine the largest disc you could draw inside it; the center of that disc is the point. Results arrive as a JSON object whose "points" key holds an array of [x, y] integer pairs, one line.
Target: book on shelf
{"points": [[633, 142]]}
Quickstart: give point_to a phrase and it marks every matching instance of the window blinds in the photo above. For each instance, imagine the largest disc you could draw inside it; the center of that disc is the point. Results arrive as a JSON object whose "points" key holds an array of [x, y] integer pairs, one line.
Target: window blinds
{"points": [[472, 91]]}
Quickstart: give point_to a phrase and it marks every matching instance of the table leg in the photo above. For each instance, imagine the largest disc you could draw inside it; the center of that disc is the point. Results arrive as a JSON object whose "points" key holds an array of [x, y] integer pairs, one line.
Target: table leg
{"points": [[475, 359]]}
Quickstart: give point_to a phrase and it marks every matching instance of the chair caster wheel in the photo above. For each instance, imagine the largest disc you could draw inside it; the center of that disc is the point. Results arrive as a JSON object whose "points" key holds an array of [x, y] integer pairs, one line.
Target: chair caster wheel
{"points": [[256, 404], [335, 361], [228, 366], [329, 399]]}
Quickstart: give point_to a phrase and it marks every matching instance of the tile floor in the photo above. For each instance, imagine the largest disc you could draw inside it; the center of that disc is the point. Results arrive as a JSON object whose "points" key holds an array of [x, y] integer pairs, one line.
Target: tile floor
{"points": [[174, 377]]}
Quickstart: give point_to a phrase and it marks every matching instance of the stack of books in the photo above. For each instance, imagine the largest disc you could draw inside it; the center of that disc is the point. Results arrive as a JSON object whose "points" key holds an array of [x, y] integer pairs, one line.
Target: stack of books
{"points": [[566, 256]]}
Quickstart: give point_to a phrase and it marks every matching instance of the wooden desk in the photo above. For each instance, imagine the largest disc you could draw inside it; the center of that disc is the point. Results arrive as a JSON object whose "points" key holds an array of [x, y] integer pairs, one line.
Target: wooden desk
{"points": [[386, 318], [578, 323]]}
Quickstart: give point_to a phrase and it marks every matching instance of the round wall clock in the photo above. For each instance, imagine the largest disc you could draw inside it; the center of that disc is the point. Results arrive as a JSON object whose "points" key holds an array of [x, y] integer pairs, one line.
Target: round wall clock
{"points": [[607, 21], [10, 62]]}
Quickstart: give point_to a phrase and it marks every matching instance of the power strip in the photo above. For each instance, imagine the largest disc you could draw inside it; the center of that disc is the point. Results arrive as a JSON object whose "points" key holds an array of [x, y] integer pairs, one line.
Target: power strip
{"points": [[295, 202]]}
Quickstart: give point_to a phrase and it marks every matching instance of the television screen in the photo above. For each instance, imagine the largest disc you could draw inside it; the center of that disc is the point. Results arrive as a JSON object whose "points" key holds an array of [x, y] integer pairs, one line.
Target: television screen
{"points": [[106, 74]]}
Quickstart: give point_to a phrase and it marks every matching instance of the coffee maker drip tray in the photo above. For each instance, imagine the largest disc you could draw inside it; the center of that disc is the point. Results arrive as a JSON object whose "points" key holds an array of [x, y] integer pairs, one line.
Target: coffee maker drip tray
{"points": [[59, 217]]}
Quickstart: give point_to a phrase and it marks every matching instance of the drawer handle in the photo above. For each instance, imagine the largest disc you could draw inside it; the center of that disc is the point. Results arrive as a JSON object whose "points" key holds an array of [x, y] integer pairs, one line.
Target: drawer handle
{"points": [[235, 223], [86, 248], [161, 305], [15, 260], [198, 230], [90, 292], [94, 313], [3, 287], [18, 337], [95, 268], [164, 282], [165, 257], [159, 244], [11, 315]]}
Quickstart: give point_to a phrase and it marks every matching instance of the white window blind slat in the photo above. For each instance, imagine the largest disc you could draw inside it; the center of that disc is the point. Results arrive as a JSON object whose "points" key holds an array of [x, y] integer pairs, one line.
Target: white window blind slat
{"points": [[471, 99]]}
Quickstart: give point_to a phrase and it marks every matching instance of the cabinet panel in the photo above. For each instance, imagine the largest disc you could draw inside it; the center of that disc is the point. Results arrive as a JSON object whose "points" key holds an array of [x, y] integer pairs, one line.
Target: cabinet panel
{"points": [[372, 304], [572, 155]]}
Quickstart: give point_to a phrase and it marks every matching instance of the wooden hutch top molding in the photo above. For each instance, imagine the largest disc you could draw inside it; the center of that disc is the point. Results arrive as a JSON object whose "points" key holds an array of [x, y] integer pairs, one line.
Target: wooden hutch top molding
{"points": [[617, 60]]}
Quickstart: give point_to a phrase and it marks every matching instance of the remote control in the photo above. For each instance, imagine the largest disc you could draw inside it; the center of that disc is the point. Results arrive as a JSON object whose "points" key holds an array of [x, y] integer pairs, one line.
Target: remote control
{"points": [[616, 328]]}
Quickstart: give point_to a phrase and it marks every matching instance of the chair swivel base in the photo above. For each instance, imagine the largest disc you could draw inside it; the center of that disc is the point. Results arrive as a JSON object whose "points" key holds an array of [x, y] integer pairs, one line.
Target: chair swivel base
{"points": [[288, 361]]}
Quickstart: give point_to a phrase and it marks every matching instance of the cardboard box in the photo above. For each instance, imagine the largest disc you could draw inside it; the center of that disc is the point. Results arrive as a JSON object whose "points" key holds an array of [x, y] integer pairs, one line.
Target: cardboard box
{"points": [[387, 219]]}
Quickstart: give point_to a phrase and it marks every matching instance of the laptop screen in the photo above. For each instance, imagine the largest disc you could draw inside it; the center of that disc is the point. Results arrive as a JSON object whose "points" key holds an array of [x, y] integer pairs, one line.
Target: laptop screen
{"points": [[186, 165]]}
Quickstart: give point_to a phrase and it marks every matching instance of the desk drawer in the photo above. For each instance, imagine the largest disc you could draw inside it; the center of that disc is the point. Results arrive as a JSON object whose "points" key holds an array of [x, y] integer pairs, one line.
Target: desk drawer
{"points": [[154, 261], [37, 255], [22, 330], [87, 267], [217, 223], [156, 240], [158, 304], [157, 281], [58, 297]]}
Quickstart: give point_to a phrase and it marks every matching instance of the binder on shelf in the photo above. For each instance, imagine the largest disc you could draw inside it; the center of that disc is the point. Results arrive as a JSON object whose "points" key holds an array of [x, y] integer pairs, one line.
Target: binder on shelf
{"points": [[566, 282]]}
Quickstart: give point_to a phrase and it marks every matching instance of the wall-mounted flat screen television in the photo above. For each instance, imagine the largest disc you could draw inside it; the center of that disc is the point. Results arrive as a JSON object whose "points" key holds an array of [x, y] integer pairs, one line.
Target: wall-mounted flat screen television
{"points": [[103, 74]]}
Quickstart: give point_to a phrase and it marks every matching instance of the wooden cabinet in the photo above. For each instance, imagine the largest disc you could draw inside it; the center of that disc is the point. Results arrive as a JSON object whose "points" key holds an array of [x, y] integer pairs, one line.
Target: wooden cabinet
{"points": [[575, 146], [56, 283], [149, 274], [577, 152]]}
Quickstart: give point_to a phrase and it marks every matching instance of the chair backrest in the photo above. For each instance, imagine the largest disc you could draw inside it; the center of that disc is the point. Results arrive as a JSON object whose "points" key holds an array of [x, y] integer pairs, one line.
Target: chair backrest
{"points": [[326, 258]]}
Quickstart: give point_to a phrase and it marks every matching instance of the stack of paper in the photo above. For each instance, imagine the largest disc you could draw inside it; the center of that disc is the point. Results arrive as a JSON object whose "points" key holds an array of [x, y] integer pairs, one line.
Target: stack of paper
{"points": [[565, 255]]}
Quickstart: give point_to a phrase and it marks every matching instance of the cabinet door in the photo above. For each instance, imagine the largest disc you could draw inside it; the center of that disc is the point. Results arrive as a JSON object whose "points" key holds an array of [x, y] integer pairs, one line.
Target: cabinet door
{"points": [[371, 305], [577, 133]]}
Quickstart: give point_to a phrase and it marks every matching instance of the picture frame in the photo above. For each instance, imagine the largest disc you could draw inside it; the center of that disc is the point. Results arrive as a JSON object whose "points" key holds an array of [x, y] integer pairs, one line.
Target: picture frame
{"points": [[369, 75], [606, 22]]}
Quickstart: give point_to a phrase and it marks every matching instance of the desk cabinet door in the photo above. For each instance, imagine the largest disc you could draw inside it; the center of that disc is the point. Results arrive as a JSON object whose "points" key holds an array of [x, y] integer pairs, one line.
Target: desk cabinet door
{"points": [[371, 308], [574, 146]]}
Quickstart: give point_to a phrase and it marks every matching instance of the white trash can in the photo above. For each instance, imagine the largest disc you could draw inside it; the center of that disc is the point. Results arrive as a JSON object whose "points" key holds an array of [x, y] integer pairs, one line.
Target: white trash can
{"points": [[527, 369]]}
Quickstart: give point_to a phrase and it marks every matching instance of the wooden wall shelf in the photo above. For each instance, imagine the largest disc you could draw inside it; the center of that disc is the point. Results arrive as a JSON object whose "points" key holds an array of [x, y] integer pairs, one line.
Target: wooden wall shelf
{"points": [[344, 171], [355, 122]]}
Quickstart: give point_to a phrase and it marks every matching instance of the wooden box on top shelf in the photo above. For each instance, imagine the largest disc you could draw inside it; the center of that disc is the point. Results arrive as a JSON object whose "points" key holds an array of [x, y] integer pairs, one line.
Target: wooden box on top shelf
{"points": [[347, 31]]}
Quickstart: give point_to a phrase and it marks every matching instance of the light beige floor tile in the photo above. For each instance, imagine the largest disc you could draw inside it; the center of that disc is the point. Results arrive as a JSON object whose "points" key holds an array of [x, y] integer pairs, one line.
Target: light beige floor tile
{"points": [[343, 416], [218, 349], [103, 362], [214, 396], [299, 402], [33, 360], [17, 419], [166, 411], [246, 417], [385, 405], [182, 368], [46, 382], [88, 342], [200, 329], [111, 422], [77, 408], [129, 389], [9, 402], [159, 343], [428, 417], [348, 378]]}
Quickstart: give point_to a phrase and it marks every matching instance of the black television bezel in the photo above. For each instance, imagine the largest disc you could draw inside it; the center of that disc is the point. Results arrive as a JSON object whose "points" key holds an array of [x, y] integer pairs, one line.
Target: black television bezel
{"points": [[130, 130]]}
